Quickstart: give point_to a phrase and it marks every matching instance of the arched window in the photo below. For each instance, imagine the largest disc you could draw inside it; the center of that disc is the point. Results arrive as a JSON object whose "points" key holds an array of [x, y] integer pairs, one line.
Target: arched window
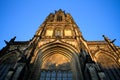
{"points": [[56, 75], [59, 18], [53, 74], [69, 75], [59, 74], [48, 74], [7, 62], [64, 74], [43, 74]]}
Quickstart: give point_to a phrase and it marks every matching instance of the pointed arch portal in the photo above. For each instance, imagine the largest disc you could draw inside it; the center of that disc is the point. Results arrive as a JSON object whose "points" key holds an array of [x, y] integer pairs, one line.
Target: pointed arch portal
{"points": [[57, 59]]}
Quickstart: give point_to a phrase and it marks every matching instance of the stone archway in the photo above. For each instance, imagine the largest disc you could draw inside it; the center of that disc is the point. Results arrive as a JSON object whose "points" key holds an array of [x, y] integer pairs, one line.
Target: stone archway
{"points": [[56, 67], [106, 60], [8, 62], [48, 60], [58, 59]]}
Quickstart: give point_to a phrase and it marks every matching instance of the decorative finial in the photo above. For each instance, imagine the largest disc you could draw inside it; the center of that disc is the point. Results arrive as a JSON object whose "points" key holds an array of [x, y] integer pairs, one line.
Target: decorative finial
{"points": [[11, 41]]}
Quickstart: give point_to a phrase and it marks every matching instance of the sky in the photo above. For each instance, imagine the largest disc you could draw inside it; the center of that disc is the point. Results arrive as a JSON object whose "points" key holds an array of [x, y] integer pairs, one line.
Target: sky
{"points": [[22, 18]]}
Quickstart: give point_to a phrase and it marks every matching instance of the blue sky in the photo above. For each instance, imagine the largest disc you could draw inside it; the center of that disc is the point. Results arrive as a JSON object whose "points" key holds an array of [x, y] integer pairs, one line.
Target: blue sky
{"points": [[21, 18]]}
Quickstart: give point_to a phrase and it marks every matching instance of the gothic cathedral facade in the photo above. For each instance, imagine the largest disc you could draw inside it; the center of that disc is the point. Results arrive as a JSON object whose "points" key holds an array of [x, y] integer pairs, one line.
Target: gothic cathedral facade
{"points": [[58, 51]]}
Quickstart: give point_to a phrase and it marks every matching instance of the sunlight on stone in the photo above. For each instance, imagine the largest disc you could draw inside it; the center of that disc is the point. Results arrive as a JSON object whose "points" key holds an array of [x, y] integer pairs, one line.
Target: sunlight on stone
{"points": [[56, 61], [49, 32], [68, 33]]}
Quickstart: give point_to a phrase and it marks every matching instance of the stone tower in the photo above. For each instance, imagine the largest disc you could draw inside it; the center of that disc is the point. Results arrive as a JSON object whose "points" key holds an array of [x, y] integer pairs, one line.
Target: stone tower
{"points": [[58, 51]]}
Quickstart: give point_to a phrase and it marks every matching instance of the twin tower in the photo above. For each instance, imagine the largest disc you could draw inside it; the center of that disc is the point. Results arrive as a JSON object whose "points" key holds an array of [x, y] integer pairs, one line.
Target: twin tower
{"points": [[58, 51]]}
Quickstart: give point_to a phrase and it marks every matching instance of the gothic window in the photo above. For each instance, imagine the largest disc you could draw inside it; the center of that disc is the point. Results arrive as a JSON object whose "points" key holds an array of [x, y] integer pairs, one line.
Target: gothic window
{"points": [[53, 74], [56, 75], [64, 74], [105, 61], [59, 18], [69, 75], [59, 78], [48, 74], [6, 64], [64, 78], [47, 78], [53, 78], [43, 74], [70, 78], [59, 74], [56, 67], [42, 77]]}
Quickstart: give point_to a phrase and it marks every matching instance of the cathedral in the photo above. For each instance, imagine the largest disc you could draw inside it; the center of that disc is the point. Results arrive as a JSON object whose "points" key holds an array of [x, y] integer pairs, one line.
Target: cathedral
{"points": [[58, 51]]}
